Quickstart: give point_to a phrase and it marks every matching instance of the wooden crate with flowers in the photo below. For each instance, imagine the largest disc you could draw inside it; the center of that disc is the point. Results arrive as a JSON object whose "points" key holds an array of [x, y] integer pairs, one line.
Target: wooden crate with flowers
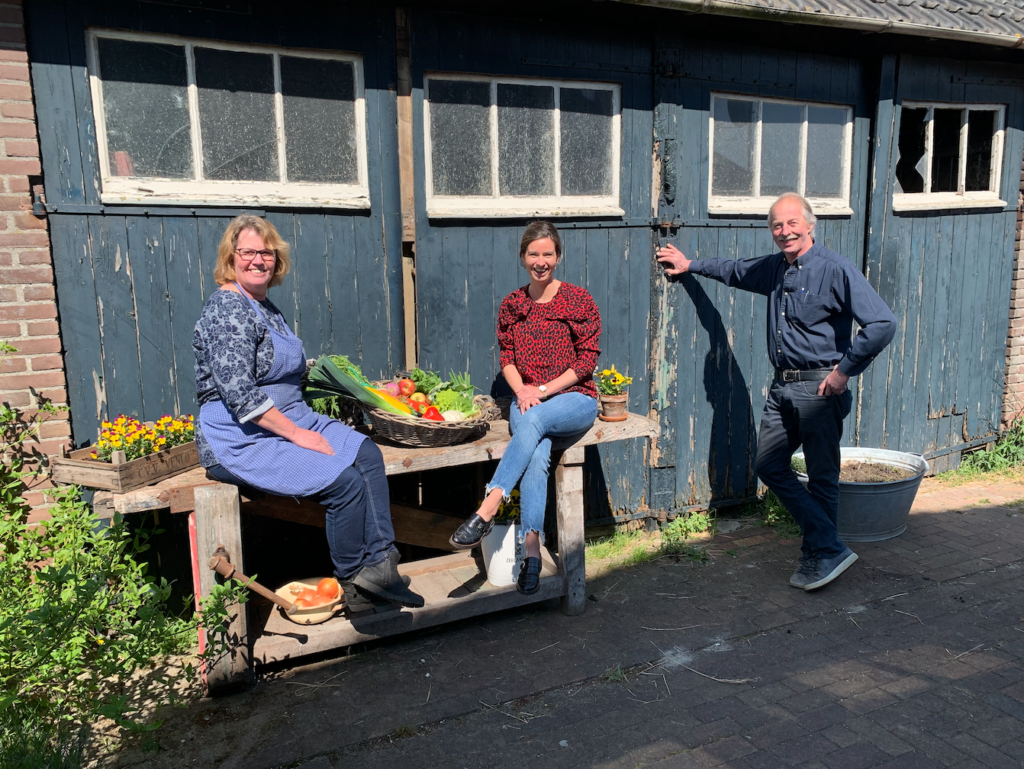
{"points": [[130, 454]]}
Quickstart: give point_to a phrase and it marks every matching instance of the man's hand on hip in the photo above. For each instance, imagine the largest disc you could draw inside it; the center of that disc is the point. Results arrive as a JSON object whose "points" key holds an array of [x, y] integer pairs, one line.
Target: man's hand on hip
{"points": [[673, 260], [834, 383]]}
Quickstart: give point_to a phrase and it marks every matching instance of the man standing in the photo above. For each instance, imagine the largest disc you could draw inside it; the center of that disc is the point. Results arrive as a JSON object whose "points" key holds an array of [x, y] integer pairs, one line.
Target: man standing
{"points": [[814, 295]]}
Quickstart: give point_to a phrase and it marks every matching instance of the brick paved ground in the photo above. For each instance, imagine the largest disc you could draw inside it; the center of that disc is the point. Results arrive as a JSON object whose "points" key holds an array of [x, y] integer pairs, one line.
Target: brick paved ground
{"points": [[915, 658]]}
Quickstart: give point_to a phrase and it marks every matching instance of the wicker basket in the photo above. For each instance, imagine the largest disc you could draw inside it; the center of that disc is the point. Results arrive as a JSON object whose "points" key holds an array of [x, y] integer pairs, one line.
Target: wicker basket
{"points": [[423, 433]]}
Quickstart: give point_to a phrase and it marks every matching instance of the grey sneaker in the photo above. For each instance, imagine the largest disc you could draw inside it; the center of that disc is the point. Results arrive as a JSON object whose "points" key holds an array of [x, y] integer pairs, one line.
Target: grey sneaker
{"points": [[802, 575], [827, 569]]}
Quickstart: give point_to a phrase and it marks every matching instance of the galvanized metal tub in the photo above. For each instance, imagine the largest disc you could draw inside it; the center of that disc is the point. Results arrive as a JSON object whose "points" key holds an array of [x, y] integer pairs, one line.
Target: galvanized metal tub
{"points": [[872, 512]]}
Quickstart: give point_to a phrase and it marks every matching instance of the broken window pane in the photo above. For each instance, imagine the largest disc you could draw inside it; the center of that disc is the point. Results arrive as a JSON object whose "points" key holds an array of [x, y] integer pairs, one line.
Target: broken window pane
{"points": [[946, 150], [319, 120], [780, 147], [981, 129], [910, 168], [826, 128], [460, 145], [236, 114], [733, 163], [526, 139], [586, 141], [145, 105]]}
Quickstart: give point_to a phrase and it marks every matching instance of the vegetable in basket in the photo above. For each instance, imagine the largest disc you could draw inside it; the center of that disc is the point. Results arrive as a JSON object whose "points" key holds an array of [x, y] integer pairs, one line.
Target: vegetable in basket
{"points": [[328, 378]]}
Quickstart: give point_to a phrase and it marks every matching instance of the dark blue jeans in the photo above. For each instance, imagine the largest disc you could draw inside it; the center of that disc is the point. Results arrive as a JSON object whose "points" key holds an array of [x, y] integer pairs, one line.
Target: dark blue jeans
{"points": [[359, 530], [796, 415]]}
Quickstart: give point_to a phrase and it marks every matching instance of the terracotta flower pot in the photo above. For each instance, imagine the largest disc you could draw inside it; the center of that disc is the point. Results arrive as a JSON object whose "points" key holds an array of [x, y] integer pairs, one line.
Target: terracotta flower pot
{"points": [[613, 407]]}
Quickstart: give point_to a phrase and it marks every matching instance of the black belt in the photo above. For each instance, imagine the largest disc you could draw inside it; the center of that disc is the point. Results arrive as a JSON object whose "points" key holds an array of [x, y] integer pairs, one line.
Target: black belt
{"points": [[798, 375]]}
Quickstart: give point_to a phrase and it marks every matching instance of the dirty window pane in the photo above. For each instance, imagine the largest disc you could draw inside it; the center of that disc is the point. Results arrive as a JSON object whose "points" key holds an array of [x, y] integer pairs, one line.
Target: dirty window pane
{"points": [[586, 141], [733, 163], [145, 104], [319, 120], [946, 150], [981, 129], [825, 129], [236, 114], [780, 147], [910, 168], [460, 137], [526, 140]]}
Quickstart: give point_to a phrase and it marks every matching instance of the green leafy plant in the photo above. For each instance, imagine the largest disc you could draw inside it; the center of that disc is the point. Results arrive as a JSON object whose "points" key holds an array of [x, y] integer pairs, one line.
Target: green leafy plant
{"points": [[774, 514], [611, 382]]}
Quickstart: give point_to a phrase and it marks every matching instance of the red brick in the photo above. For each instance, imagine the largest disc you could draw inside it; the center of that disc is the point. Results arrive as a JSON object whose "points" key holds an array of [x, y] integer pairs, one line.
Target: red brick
{"points": [[22, 275], [15, 203], [16, 400], [35, 381], [17, 130], [8, 295], [27, 311], [17, 183], [47, 362], [22, 148], [18, 110], [57, 397], [13, 364], [44, 328], [12, 35], [14, 92], [29, 222], [55, 430], [6, 259], [12, 55], [49, 447], [38, 515], [14, 72], [20, 167], [38, 293], [15, 239], [34, 499], [8, 330], [36, 256]]}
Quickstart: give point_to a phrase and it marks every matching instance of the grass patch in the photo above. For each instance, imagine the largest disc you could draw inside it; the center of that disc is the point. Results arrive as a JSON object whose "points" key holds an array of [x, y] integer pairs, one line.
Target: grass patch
{"points": [[774, 514], [634, 548], [1003, 460], [618, 546], [614, 675]]}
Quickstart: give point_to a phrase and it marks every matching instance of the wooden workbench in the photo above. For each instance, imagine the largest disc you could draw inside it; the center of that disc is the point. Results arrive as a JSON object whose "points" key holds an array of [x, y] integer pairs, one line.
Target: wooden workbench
{"points": [[453, 586]]}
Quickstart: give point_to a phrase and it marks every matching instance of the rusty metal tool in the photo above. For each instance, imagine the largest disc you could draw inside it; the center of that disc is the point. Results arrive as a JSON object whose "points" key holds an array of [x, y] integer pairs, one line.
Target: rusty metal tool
{"points": [[221, 564]]}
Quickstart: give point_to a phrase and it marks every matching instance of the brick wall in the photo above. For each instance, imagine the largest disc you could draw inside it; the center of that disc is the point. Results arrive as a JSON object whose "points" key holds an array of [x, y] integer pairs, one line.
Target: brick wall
{"points": [[1013, 389], [28, 311]]}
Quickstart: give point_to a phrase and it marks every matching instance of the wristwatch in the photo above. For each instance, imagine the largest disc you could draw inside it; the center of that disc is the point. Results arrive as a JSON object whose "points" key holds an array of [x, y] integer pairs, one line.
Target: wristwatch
{"points": [[543, 390]]}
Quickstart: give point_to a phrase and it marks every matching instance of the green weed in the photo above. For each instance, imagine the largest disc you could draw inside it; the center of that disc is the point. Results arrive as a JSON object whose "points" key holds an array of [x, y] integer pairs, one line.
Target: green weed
{"points": [[774, 514], [1004, 458], [614, 675], [616, 546]]}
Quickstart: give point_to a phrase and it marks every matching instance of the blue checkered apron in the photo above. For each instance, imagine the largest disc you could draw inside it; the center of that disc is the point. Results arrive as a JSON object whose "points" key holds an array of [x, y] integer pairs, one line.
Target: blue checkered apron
{"points": [[269, 462]]}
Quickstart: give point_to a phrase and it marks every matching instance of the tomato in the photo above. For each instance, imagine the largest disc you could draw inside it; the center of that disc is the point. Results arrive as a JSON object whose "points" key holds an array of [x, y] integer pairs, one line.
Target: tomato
{"points": [[328, 588], [418, 397], [406, 386], [310, 596], [433, 413], [302, 603]]}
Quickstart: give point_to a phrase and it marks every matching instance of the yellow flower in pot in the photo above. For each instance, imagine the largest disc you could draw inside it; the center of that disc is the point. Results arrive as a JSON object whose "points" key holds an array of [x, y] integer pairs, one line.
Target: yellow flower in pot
{"points": [[612, 398]]}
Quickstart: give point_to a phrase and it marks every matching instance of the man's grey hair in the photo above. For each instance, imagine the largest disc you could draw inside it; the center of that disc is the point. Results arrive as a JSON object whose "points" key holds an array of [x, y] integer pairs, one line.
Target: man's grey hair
{"points": [[808, 211]]}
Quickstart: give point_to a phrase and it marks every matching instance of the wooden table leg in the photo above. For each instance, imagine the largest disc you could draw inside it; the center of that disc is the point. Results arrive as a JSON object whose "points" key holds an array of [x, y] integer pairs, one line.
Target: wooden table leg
{"points": [[218, 522], [569, 503]]}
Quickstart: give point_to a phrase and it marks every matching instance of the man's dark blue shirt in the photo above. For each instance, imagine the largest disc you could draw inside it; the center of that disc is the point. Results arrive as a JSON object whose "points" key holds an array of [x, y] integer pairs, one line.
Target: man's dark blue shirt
{"points": [[812, 304]]}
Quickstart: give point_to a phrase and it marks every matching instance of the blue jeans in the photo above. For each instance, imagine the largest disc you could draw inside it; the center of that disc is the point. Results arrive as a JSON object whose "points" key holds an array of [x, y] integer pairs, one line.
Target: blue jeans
{"points": [[529, 452], [795, 415], [358, 524]]}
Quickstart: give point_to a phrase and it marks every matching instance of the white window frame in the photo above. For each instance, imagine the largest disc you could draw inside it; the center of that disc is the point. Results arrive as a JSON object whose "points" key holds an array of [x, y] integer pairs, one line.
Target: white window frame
{"points": [[759, 204], [927, 200], [201, 191], [495, 205]]}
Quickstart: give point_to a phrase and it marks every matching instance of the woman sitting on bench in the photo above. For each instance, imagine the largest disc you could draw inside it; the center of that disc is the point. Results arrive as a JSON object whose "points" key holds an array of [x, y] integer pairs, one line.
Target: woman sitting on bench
{"points": [[255, 430], [548, 333]]}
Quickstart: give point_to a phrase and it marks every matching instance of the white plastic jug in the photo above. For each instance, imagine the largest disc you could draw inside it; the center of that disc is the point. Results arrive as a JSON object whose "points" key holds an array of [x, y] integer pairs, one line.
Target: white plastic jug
{"points": [[501, 554]]}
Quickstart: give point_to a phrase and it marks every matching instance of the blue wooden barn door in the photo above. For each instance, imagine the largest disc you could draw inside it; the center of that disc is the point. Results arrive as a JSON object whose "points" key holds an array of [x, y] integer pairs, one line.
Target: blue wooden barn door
{"points": [[132, 279], [710, 368], [943, 266], [465, 265]]}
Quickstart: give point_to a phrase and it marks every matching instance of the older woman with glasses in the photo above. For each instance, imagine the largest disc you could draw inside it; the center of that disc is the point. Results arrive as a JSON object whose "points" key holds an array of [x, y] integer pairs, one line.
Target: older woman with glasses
{"points": [[256, 431]]}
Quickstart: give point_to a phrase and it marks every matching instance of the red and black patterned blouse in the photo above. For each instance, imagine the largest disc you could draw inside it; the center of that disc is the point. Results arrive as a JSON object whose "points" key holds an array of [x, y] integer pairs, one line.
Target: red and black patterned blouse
{"points": [[543, 341]]}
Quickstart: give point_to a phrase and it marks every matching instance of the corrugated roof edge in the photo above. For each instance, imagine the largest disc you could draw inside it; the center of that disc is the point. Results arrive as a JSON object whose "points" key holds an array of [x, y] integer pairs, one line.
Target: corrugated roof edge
{"points": [[727, 8]]}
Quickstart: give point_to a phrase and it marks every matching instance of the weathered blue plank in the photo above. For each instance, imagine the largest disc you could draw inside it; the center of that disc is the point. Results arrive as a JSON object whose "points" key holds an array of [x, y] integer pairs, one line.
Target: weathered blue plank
{"points": [[455, 266], [343, 286], [315, 306], [185, 289], [286, 294], [482, 350]]}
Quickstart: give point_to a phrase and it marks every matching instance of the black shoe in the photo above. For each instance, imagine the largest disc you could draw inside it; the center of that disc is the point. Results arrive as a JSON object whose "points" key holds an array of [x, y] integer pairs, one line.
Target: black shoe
{"points": [[469, 534], [529, 576], [383, 580], [359, 602]]}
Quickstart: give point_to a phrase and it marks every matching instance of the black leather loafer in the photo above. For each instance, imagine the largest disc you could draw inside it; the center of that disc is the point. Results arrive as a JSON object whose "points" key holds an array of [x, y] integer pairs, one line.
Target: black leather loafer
{"points": [[469, 534], [529, 576]]}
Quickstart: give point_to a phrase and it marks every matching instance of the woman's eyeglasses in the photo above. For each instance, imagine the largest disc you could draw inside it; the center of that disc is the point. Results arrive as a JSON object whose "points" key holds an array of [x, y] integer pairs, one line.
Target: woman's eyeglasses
{"points": [[248, 254]]}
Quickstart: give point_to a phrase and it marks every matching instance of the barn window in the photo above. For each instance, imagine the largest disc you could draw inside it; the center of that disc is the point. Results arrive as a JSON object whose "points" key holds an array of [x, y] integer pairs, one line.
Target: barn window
{"points": [[518, 147], [761, 148], [182, 121], [950, 156]]}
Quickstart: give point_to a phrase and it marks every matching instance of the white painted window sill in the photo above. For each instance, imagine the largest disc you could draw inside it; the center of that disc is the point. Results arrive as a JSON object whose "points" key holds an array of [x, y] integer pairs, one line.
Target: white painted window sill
{"points": [[762, 205], [943, 201], [501, 212], [233, 200]]}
